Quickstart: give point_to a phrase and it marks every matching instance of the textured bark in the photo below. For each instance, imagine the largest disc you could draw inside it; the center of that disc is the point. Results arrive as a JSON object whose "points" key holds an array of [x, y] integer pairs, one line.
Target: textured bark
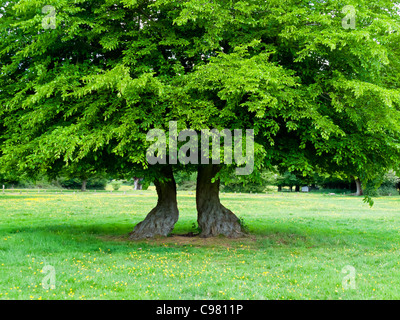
{"points": [[213, 218], [359, 191], [161, 220]]}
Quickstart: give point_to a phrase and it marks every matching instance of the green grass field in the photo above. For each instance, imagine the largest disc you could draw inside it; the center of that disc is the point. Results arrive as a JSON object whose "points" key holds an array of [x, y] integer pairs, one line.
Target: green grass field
{"points": [[297, 247]]}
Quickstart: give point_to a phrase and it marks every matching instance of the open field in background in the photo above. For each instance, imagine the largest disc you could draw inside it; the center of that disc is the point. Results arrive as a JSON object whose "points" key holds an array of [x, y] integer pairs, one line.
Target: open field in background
{"points": [[297, 248]]}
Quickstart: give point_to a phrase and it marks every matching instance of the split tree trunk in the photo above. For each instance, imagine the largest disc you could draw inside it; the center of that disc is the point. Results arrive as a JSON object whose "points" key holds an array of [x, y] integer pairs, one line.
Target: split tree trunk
{"points": [[359, 191], [161, 220], [213, 218]]}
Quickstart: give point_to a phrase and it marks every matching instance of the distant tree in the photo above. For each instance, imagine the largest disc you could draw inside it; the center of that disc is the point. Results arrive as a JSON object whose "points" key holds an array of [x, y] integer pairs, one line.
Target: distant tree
{"points": [[137, 183], [235, 184], [287, 180]]}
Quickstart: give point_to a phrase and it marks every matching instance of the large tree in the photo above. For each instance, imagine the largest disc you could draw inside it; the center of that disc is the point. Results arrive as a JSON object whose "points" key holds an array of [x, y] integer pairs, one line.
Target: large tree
{"points": [[319, 95], [109, 71]]}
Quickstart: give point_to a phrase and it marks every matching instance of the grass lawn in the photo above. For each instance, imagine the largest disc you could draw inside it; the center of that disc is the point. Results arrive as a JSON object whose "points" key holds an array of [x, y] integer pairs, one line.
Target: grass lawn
{"points": [[297, 248]]}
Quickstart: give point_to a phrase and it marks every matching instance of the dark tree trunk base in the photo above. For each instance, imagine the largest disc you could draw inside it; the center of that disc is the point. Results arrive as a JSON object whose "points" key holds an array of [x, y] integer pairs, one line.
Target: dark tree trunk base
{"points": [[213, 218], [219, 221], [161, 220]]}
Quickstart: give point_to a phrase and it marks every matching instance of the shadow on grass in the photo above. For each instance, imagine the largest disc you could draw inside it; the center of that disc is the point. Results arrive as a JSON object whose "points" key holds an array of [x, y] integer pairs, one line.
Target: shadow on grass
{"points": [[85, 236]]}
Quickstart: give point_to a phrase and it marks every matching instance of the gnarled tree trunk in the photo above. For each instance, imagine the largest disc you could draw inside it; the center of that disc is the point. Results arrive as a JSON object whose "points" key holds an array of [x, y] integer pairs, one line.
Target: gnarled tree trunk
{"points": [[359, 191], [161, 220], [213, 218]]}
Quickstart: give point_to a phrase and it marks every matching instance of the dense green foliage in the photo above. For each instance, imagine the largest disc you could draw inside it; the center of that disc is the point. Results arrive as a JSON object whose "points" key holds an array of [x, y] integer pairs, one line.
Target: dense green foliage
{"points": [[388, 184], [96, 183], [316, 94]]}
